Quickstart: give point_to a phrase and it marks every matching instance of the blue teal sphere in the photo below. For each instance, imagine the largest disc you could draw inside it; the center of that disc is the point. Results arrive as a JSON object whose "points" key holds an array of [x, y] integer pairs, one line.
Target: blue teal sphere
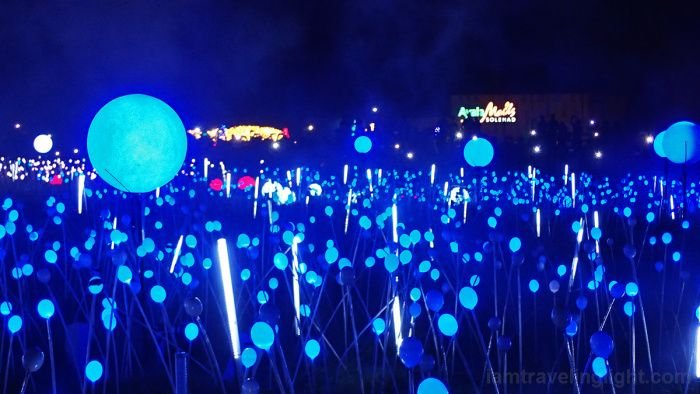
{"points": [[680, 142], [659, 144], [478, 152], [363, 144], [432, 386], [137, 143]]}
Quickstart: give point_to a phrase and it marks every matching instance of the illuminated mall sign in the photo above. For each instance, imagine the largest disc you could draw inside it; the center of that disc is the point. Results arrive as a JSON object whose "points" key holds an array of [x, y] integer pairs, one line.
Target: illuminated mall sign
{"points": [[241, 133], [491, 114]]}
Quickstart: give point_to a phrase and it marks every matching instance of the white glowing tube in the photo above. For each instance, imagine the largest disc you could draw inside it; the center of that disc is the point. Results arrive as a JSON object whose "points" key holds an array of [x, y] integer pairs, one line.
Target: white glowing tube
{"points": [[595, 219], [206, 168], [461, 172], [573, 189], [81, 190], [379, 177], [114, 227], [538, 220], [228, 184], [566, 174], [176, 255], [345, 175], [444, 190], [396, 315], [673, 214], [432, 174], [157, 193], [369, 179], [289, 178], [255, 197], [347, 211], [596, 224], [295, 283], [697, 353], [394, 222], [464, 220], [298, 176], [579, 236], [228, 296]]}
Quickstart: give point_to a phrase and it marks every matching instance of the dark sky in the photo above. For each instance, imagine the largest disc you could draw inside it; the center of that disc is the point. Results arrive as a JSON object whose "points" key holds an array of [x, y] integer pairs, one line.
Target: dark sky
{"points": [[282, 62]]}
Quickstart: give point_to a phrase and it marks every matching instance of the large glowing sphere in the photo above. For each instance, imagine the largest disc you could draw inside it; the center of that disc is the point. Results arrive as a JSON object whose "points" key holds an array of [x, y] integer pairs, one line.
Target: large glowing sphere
{"points": [[137, 143], [432, 386], [680, 142], [478, 152], [43, 143], [659, 144]]}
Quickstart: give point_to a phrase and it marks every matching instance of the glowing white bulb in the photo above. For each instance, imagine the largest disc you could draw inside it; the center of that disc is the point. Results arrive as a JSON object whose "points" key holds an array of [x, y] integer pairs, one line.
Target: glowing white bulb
{"points": [[598, 154], [537, 149], [397, 146], [375, 109], [17, 125], [533, 132], [409, 155], [459, 135], [43, 143], [275, 145], [310, 127], [649, 139]]}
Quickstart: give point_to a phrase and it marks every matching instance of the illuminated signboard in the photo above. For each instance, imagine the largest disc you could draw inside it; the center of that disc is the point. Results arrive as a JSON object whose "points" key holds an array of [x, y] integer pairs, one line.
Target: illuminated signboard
{"points": [[491, 114], [241, 133]]}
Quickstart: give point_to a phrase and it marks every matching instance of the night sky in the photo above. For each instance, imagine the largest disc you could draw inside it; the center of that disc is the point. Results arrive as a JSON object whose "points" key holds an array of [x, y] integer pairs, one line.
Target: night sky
{"points": [[293, 61]]}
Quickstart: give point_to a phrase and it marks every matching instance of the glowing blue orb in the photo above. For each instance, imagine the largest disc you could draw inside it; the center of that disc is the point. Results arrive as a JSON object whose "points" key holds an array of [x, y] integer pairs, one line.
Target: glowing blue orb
{"points": [[93, 371], [447, 324], [249, 357], [534, 285], [137, 143], [514, 244], [478, 152], [363, 144], [680, 142], [312, 349], [14, 324], [191, 331], [378, 325], [281, 261], [468, 298], [432, 386], [262, 335], [158, 294], [5, 308], [659, 144], [600, 369], [46, 308]]}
